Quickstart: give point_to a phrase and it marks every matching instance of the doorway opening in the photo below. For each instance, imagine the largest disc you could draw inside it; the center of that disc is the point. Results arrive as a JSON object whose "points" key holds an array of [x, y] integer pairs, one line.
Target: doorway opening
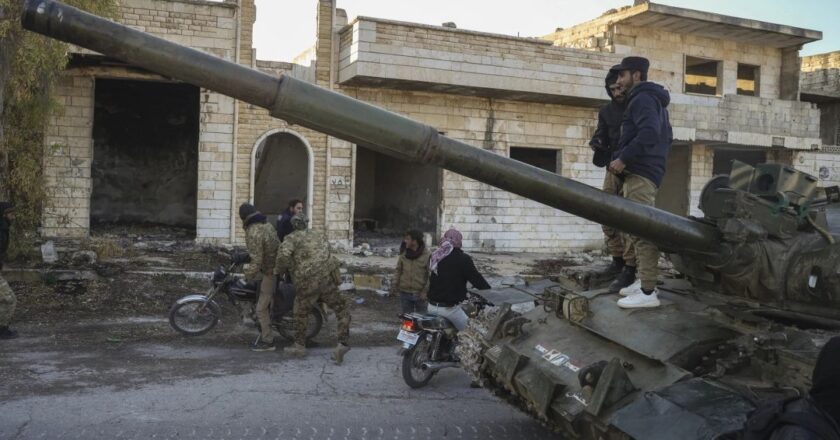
{"points": [[392, 196], [282, 172], [145, 157]]}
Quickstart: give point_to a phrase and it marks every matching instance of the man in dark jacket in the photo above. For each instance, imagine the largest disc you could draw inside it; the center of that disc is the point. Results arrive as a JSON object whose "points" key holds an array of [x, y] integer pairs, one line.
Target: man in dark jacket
{"points": [[645, 141], [8, 301], [284, 222], [604, 146], [811, 417], [451, 270]]}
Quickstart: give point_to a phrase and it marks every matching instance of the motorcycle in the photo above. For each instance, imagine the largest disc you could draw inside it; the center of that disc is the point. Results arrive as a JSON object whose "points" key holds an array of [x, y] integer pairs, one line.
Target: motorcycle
{"points": [[429, 343], [196, 314]]}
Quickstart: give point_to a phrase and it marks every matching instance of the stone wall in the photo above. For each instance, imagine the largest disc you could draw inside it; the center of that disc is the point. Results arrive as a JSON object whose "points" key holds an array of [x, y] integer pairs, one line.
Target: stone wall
{"points": [[68, 155], [492, 219], [207, 26], [255, 124], [667, 51], [824, 165], [453, 59], [407, 56]]}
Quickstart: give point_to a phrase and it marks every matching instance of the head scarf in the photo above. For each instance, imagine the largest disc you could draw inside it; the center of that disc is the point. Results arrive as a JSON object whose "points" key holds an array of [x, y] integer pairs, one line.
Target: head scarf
{"points": [[825, 390], [451, 240], [299, 221]]}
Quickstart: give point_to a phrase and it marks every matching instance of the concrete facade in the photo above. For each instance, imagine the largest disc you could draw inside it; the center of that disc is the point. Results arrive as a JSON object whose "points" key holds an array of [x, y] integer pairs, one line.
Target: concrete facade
{"points": [[495, 92]]}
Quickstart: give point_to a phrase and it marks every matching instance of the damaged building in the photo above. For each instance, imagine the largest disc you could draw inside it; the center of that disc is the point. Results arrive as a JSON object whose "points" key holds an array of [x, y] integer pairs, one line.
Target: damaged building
{"points": [[132, 148]]}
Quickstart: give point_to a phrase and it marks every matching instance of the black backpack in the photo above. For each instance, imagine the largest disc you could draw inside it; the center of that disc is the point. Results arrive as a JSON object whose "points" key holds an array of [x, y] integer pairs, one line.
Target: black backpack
{"points": [[770, 416]]}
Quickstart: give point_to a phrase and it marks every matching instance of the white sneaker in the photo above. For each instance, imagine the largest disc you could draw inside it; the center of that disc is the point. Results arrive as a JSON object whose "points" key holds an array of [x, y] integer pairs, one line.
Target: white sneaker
{"points": [[633, 289], [640, 301]]}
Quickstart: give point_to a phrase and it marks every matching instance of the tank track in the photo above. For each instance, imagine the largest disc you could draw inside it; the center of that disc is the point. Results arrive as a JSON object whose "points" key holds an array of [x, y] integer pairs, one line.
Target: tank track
{"points": [[471, 348]]}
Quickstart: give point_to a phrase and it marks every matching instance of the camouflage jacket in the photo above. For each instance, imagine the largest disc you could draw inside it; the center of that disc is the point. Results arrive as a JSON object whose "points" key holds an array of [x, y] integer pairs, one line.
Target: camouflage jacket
{"points": [[306, 255], [261, 240]]}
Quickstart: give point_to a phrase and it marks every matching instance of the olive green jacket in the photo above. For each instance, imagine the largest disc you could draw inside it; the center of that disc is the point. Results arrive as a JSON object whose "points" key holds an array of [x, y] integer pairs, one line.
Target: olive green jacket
{"points": [[412, 276]]}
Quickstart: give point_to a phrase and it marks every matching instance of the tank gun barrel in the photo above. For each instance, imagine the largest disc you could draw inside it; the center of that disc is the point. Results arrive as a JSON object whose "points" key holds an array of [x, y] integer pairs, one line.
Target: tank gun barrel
{"points": [[341, 116]]}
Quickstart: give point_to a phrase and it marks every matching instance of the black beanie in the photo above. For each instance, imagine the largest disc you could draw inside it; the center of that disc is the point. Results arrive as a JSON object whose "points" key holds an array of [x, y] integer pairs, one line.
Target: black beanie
{"points": [[245, 210]]}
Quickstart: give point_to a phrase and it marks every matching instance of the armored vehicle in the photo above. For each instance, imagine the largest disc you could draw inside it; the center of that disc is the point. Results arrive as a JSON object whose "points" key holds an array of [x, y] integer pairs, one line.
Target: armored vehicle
{"points": [[758, 296]]}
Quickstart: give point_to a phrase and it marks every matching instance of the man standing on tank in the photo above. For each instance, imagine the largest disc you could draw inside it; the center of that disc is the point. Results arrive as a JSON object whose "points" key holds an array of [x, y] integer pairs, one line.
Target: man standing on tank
{"points": [[646, 137], [604, 146]]}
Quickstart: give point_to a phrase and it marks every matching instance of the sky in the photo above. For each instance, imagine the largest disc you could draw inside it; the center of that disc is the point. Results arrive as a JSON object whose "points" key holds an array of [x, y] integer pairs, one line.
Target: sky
{"points": [[285, 28]]}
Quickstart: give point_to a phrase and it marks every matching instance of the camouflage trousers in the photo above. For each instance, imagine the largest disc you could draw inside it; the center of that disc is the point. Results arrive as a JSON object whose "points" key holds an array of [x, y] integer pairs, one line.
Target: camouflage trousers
{"points": [[8, 302], [308, 296], [642, 190], [612, 237]]}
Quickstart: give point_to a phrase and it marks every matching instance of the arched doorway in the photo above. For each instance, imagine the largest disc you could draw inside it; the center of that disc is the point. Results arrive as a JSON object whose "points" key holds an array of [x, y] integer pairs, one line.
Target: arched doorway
{"points": [[281, 170]]}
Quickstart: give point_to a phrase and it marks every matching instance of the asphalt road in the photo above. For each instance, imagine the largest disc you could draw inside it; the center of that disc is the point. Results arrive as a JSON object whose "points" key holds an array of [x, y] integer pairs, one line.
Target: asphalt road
{"points": [[93, 385]]}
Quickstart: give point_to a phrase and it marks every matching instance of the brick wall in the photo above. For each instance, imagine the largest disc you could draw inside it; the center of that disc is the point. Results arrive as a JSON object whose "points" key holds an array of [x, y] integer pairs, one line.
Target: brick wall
{"points": [[490, 218], [460, 58], [825, 166], [254, 125], [666, 51], [68, 155], [207, 26]]}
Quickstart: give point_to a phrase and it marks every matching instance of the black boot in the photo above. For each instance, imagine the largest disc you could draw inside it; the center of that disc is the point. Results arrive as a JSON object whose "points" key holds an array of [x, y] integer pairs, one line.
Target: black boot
{"points": [[7, 333], [624, 279], [615, 267]]}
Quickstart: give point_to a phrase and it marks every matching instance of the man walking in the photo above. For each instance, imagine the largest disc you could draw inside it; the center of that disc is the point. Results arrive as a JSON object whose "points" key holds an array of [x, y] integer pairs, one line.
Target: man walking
{"points": [[604, 146], [261, 240], [8, 301], [306, 253], [646, 137]]}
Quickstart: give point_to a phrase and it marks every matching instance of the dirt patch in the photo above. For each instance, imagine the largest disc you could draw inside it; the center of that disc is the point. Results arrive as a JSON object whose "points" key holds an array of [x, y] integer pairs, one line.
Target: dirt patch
{"points": [[125, 295]]}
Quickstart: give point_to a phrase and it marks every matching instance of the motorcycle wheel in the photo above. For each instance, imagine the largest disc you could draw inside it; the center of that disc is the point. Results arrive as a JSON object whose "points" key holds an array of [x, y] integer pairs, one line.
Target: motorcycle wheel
{"points": [[195, 317], [412, 373], [286, 325]]}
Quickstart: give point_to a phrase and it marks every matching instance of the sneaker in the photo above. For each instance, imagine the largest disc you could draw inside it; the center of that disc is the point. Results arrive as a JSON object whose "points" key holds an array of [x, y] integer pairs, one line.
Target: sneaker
{"points": [[263, 346], [633, 289], [295, 350], [639, 301], [624, 279], [339, 352], [7, 333]]}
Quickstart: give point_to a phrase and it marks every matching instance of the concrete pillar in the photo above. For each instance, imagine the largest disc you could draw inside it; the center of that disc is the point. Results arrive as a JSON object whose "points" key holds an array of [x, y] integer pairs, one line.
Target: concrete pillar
{"points": [[789, 80]]}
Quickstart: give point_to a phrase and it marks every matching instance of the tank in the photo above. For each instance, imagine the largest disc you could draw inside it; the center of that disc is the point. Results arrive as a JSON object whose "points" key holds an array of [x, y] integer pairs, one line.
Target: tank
{"points": [[757, 295]]}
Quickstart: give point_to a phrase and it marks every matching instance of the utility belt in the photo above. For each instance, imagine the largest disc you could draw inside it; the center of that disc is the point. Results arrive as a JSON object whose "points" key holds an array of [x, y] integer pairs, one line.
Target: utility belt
{"points": [[443, 304]]}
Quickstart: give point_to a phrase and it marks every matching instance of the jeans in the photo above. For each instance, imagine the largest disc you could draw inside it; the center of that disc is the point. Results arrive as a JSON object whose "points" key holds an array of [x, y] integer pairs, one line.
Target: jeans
{"points": [[455, 315], [411, 302]]}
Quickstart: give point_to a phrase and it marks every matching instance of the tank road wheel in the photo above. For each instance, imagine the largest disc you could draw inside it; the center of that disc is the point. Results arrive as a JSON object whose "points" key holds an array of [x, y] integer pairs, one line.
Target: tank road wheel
{"points": [[412, 372]]}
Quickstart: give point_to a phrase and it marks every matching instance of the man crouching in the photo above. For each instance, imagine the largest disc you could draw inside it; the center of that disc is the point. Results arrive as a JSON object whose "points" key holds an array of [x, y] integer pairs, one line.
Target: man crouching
{"points": [[306, 254]]}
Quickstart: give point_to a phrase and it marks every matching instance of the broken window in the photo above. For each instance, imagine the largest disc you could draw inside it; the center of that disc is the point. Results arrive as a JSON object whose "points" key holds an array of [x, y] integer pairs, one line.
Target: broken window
{"points": [[748, 76], [545, 158], [722, 162], [702, 76], [145, 154], [392, 196]]}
